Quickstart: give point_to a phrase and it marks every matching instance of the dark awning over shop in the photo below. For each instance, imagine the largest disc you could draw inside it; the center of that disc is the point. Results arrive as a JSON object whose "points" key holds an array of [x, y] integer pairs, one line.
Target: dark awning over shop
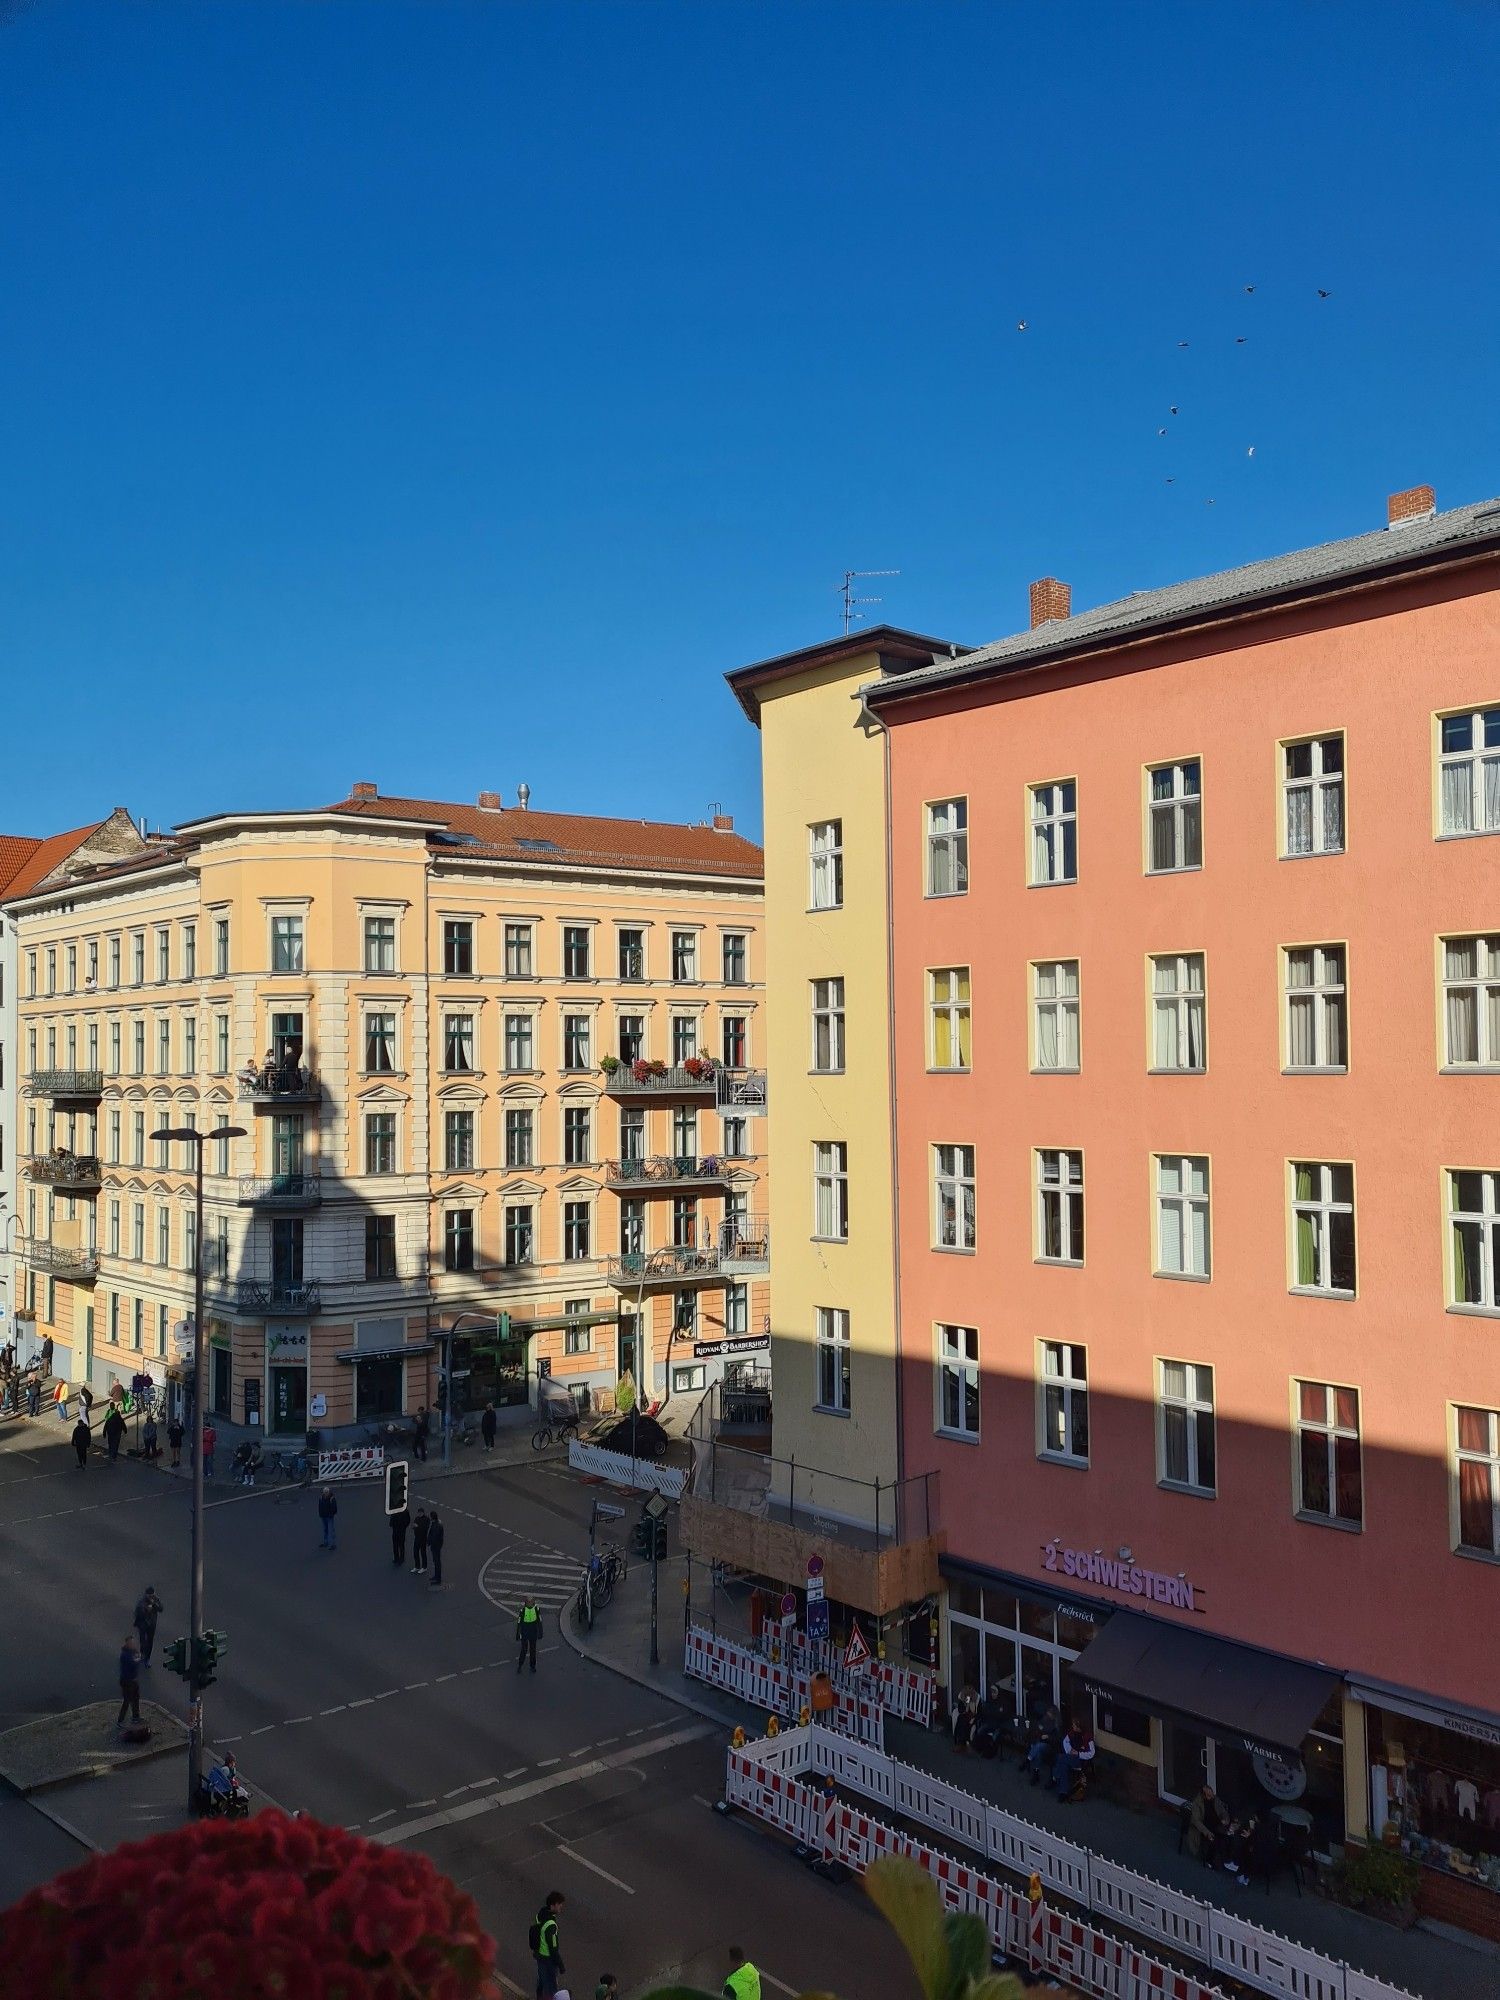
{"points": [[400, 1350], [1234, 1693]]}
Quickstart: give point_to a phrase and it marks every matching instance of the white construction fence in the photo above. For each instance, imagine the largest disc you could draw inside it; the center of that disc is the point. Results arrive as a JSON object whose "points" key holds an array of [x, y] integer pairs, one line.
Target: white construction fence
{"points": [[620, 1469], [774, 1686], [772, 1780], [905, 1692], [352, 1462]]}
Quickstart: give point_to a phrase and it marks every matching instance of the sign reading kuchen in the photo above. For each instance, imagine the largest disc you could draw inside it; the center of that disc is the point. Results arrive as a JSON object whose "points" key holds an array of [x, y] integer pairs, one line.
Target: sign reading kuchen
{"points": [[1128, 1578]]}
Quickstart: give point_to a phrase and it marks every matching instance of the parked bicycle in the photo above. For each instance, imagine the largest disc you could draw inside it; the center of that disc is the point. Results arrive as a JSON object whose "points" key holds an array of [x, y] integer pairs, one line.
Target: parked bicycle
{"points": [[554, 1432], [295, 1468]]}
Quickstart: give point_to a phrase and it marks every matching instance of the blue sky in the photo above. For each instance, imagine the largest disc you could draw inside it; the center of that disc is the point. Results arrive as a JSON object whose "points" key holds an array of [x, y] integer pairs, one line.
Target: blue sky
{"points": [[447, 394]]}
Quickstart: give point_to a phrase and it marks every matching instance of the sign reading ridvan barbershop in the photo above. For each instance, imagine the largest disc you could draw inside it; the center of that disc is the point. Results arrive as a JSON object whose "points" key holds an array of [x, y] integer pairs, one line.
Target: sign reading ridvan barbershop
{"points": [[1118, 1574]]}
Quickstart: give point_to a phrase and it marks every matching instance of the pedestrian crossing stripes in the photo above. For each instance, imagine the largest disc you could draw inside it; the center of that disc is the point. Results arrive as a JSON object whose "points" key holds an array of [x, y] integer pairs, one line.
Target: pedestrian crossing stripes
{"points": [[523, 1571]]}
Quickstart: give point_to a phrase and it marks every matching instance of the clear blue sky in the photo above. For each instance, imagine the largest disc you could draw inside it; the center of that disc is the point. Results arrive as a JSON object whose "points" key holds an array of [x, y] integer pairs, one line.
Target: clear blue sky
{"points": [[447, 394]]}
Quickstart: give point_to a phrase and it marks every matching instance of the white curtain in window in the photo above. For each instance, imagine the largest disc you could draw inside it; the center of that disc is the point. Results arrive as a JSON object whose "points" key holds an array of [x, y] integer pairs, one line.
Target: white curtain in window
{"points": [[1458, 797], [1046, 1037], [1463, 1023], [1299, 821], [1492, 793], [1301, 1032], [1333, 819]]}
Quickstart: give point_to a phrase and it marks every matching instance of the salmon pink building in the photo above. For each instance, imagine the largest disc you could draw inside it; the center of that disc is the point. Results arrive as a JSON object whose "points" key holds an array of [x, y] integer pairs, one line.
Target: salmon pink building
{"points": [[1195, 907]]}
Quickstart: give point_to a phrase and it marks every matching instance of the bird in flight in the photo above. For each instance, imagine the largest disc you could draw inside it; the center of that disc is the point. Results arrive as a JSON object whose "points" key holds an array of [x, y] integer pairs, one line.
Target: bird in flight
{"points": [[1208, 503], [1172, 410], [1020, 326], [1324, 295], [1251, 452], [1239, 339], [1171, 482], [1162, 432], [1182, 343], [1249, 288]]}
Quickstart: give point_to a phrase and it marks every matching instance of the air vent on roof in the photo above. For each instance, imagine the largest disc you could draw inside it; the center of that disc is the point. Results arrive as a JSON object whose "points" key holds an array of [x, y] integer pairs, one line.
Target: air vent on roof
{"points": [[540, 846]]}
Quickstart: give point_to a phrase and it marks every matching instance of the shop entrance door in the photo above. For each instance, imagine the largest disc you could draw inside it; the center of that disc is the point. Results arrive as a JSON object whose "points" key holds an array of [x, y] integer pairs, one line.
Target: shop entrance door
{"points": [[1187, 1761], [289, 1400]]}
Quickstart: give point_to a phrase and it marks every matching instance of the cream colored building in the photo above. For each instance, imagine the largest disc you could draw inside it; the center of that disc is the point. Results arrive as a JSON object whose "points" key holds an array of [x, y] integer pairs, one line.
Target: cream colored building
{"points": [[487, 1061]]}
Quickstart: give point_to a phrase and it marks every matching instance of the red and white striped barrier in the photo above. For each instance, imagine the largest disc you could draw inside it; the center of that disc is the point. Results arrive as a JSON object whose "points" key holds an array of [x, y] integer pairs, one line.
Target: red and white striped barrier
{"points": [[905, 1692], [365, 1461], [774, 1686]]}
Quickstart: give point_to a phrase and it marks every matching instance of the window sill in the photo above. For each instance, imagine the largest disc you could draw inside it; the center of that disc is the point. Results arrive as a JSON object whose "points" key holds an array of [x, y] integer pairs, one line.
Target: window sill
{"points": [[1328, 1521], [955, 1437], [828, 1239], [1316, 854], [944, 895], [1187, 868], [1062, 1459], [950, 1069], [1315, 1069], [1320, 1292], [953, 1249], [384, 1075], [1188, 1492], [1186, 1277], [1176, 1072], [821, 909], [1057, 1069], [1467, 833], [828, 1072], [1465, 1310], [1062, 882], [473, 1075], [1469, 1069], [1060, 1263], [1491, 1556], [827, 1410]]}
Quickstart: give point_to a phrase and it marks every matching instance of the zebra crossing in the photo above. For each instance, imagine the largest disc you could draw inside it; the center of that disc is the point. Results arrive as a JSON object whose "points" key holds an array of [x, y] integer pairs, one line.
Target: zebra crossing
{"points": [[528, 1569]]}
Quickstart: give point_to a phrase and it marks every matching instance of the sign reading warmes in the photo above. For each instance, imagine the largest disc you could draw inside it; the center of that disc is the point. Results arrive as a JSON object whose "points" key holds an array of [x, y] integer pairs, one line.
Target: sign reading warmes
{"points": [[1128, 1578]]}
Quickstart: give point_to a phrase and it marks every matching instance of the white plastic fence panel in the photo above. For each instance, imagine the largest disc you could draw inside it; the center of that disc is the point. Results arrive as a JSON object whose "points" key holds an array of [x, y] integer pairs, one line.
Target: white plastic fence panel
{"points": [[620, 1469], [1149, 1908], [352, 1462], [944, 1808], [1271, 1963], [1360, 1986], [864, 1770], [1030, 1851]]}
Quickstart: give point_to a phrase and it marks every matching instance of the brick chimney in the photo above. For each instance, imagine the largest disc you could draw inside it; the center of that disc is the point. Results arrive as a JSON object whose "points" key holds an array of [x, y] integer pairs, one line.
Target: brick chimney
{"points": [[489, 802], [1417, 503], [363, 789], [1049, 599], [723, 822]]}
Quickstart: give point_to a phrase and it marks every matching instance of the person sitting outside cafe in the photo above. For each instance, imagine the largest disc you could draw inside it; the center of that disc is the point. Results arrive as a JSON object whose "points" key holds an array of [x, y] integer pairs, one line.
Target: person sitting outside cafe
{"points": [[1208, 1826]]}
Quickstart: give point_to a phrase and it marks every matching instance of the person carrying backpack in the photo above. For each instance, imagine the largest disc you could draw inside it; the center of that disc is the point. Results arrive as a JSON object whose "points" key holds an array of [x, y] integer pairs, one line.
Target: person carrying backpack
{"points": [[543, 1942]]}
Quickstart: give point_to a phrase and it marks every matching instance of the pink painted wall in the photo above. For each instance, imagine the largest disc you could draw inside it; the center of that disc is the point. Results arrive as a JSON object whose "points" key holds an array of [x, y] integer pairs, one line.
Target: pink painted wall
{"points": [[1394, 1600]]}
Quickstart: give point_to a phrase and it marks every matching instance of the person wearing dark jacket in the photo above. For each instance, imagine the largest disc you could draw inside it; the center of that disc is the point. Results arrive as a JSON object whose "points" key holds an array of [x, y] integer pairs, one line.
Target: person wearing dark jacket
{"points": [[147, 1611], [399, 1525], [487, 1427], [81, 1442], [174, 1439], [435, 1534], [328, 1512], [419, 1543], [420, 1430], [114, 1430], [130, 1680]]}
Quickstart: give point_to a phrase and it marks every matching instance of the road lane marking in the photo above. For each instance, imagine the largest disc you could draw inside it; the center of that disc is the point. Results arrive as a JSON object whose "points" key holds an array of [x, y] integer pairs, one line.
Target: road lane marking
{"points": [[292, 1720], [455, 1792], [544, 1762], [494, 1801], [412, 1686], [473, 1670], [518, 1770], [264, 1729], [365, 1701], [387, 1694], [604, 1741], [444, 1677], [780, 1984], [584, 1862], [420, 1802], [387, 1814], [334, 1711]]}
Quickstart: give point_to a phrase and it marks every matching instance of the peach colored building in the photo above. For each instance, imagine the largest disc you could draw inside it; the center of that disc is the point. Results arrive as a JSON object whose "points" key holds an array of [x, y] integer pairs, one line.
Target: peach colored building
{"points": [[1196, 975]]}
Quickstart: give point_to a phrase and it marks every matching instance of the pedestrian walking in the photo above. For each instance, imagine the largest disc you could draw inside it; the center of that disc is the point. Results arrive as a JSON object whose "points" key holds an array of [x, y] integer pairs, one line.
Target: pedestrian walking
{"points": [[149, 1446], [174, 1439], [46, 1354], [60, 1398], [743, 1982], [419, 1543], [81, 1442], [130, 1680], [435, 1534], [147, 1611], [114, 1430], [399, 1525], [419, 1434], [487, 1427], [528, 1631], [210, 1439], [545, 1946], [34, 1397], [328, 1513]]}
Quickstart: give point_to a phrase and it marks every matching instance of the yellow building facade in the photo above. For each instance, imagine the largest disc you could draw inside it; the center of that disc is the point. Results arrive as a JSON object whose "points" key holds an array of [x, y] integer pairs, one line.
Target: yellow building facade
{"points": [[487, 1061]]}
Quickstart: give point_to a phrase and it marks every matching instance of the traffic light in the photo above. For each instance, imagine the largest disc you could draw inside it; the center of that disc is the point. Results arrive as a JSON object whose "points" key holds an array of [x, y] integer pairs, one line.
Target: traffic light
{"points": [[176, 1657], [208, 1649], [651, 1535], [397, 1485], [502, 1326]]}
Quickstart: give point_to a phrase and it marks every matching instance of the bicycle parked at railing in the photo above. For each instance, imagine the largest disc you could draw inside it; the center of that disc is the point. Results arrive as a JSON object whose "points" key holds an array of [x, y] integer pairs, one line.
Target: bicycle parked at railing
{"points": [[295, 1468], [556, 1430]]}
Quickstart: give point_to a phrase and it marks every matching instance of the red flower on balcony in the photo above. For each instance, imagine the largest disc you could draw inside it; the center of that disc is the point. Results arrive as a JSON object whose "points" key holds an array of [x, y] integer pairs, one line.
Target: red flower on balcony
{"points": [[698, 1068], [264, 1909]]}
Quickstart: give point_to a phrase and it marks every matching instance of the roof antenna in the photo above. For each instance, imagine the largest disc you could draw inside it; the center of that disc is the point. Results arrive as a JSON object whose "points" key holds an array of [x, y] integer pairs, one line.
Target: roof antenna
{"points": [[852, 614]]}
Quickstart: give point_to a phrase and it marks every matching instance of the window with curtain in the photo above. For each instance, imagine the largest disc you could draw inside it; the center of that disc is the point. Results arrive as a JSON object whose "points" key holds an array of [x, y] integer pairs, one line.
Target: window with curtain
{"points": [[948, 1013], [1182, 1234], [1330, 1485], [953, 1197], [1474, 1225], [1323, 1226], [380, 944], [518, 1137], [958, 1380], [1469, 772], [1312, 787], [825, 865], [1176, 816], [577, 1135], [831, 1190], [380, 1043], [518, 951], [1059, 1185], [1316, 1007], [519, 1234], [1054, 832], [458, 1041], [1055, 1000], [827, 1024], [1185, 1425], [1179, 1017], [948, 847], [1064, 1401], [286, 944], [458, 1141], [1471, 1002], [832, 1353], [1477, 1469], [577, 1040], [684, 1038], [518, 1048]]}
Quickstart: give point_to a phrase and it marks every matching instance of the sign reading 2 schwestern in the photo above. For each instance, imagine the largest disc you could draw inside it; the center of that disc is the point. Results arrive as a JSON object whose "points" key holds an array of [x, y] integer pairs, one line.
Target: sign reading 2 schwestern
{"points": [[1119, 1574]]}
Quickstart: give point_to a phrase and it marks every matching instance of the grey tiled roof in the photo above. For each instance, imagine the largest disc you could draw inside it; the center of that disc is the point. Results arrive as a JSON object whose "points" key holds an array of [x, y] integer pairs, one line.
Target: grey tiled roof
{"points": [[1229, 590]]}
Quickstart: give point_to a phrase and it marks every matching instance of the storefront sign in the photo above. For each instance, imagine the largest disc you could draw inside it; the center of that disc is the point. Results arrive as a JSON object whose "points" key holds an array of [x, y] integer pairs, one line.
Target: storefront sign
{"points": [[318, 1407], [1285, 1778], [287, 1344], [1128, 1578], [1481, 1729], [747, 1343]]}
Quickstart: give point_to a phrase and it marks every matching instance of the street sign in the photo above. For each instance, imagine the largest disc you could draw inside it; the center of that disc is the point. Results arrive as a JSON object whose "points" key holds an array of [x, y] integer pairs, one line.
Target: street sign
{"points": [[655, 1508], [817, 1620], [608, 1510], [815, 1565], [857, 1652], [789, 1604], [815, 1590]]}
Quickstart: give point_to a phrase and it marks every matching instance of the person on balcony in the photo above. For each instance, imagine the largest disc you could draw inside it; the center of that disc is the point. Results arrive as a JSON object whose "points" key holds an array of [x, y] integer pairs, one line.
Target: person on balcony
{"points": [[249, 1076]]}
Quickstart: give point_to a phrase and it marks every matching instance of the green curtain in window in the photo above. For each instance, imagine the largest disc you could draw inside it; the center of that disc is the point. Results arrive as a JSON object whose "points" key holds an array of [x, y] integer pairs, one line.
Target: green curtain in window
{"points": [[1307, 1247], [1461, 1292]]}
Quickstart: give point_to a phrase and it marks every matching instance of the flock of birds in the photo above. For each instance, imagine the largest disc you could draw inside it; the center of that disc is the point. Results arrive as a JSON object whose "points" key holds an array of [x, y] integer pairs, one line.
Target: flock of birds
{"points": [[1240, 340]]}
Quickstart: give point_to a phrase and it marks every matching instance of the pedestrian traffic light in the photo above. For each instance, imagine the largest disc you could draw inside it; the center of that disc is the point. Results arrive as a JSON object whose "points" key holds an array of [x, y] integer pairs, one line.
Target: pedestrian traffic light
{"points": [[397, 1485], [502, 1326], [208, 1649], [176, 1657]]}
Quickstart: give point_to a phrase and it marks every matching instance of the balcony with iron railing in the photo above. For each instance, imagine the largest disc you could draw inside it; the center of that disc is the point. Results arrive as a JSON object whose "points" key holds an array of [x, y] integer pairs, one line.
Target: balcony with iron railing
{"points": [[697, 1076], [663, 1171], [280, 1190], [278, 1085], [275, 1298], [75, 1173], [76, 1266], [744, 1245], [67, 1083], [675, 1264]]}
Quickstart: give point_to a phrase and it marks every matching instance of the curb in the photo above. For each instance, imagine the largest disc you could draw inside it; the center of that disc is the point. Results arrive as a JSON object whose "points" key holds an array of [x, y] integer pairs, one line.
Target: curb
{"points": [[644, 1680], [65, 1826]]}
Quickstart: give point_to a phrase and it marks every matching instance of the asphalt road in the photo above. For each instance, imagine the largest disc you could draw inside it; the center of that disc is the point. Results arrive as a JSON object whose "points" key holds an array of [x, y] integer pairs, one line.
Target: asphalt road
{"points": [[359, 1692]]}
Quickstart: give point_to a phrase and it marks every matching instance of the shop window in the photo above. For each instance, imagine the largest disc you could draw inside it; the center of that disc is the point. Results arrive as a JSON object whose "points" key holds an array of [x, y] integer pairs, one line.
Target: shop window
{"points": [[685, 1380], [1127, 1723], [377, 1388], [1435, 1794]]}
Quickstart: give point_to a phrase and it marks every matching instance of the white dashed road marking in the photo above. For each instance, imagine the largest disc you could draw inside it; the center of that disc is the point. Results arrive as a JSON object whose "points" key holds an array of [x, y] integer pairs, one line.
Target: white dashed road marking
{"points": [[593, 1866]]}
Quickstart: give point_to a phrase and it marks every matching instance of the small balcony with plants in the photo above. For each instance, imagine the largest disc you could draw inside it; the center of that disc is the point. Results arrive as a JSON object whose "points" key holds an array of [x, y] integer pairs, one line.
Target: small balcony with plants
{"points": [[744, 1246], [674, 1264], [74, 1173], [633, 1078]]}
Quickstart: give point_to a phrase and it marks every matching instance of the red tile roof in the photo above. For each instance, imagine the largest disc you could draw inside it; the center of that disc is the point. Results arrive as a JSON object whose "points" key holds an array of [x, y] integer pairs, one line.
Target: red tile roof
{"points": [[28, 871], [16, 849], [504, 834]]}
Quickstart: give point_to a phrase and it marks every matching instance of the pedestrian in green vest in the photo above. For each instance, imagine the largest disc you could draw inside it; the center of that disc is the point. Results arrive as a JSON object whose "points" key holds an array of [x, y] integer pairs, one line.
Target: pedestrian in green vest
{"points": [[743, 1982], [528, 1631]]}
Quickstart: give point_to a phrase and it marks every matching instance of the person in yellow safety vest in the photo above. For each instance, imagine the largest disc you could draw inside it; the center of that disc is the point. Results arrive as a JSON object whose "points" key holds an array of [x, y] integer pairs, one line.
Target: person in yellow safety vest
{"points": [[528, 1631], [743, 1982]]}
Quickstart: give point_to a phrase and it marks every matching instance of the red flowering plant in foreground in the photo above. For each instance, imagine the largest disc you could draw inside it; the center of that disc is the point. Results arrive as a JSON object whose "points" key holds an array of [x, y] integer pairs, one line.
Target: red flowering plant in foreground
{"points": [[269, 1908]]}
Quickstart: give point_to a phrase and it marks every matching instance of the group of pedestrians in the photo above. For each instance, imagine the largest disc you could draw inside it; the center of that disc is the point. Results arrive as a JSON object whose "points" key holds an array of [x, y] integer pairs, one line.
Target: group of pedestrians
{"points": [[135, 1653], [427, 1537], [544, 1942]]}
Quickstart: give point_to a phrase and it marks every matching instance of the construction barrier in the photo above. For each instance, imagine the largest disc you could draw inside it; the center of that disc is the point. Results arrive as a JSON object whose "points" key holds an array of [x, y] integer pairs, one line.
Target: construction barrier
{"points": [[352, 1462], [773, 1686], [905, 1692], [620, 1469], [1062, 1944]]}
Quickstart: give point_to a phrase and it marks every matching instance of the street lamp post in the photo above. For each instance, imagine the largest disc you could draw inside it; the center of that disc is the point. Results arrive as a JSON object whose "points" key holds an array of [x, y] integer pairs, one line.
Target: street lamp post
{"points": [[188, 1136]]}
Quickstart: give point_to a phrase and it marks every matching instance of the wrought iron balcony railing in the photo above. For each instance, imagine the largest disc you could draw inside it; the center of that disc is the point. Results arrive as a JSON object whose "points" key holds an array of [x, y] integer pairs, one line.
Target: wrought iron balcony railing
{"points": [[62, 1169], [281, 1190], [80, 1267], [67, 1082], [664, 1170], [276, 1298], [290, 1084], [676, 1264], [744, 1245]]}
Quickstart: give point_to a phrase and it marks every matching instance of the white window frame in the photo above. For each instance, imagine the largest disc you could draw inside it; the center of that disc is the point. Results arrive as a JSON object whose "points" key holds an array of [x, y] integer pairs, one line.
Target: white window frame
{"points": [[1331, 1431], [832, 1360], [1484, 1221], [373, 943], [395, 1143], [825, 864], [956, 1379], [1313, 789], [1321, 1206], [522, 1037], [736, 1309], [577, 1042], [1058, 1010], [827, 1026], [1489, 1457], [288, 943], [734, 945], [454, 1130], [950, 1013], [1325, 998], [1478, 758], [1193, 1401], [577, 1224], [1053, 811], [1172, 1012], [518, 942], [1061, 1387], [684, 953], [830, 1190], [1185, 1203], [954, 1198], [371, 1039], [1058, 1177], [947, 858], [1482, 986], [1181, 810], [459, 1038]]}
